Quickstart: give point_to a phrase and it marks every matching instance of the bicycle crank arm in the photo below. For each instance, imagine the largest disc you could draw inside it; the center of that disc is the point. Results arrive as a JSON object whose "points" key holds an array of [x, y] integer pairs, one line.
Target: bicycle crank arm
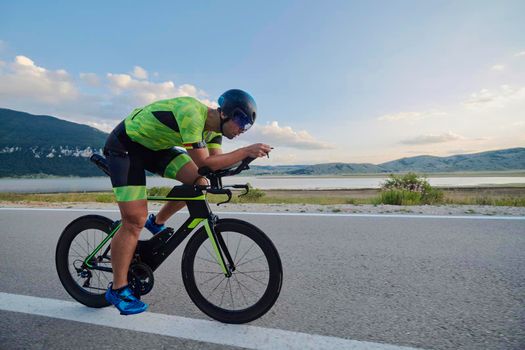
{"points": [[100, 268]]}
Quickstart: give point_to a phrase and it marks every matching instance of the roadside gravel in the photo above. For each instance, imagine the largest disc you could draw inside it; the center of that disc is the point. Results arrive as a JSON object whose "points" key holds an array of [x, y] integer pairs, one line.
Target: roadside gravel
{"points": [[311, 208]]}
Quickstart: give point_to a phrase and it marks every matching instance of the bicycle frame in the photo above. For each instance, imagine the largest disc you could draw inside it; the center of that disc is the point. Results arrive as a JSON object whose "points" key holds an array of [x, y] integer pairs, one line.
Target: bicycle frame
{"points": [[154, 251]]}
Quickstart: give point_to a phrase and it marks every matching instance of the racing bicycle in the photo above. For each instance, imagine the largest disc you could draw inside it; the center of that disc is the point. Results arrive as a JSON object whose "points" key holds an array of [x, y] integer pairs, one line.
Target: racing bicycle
{"points": [[230, 268]]}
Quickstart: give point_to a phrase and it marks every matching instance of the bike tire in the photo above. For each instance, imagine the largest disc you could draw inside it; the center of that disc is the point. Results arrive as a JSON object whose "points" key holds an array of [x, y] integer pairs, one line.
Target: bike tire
{"points": [[63, 261], [274, 281]]}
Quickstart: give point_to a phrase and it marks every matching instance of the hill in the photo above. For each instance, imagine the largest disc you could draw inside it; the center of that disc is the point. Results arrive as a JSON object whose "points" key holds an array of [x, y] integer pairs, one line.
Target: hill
{"points": [[40, 144]]}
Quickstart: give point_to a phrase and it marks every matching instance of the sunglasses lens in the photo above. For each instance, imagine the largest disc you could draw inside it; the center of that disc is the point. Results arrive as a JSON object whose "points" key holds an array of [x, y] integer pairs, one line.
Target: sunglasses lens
{"points": [[242, 120]]}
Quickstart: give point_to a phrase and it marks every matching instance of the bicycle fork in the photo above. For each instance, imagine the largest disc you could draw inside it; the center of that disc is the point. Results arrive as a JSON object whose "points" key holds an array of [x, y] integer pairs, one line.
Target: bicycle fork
{"points": [[219, 246]]}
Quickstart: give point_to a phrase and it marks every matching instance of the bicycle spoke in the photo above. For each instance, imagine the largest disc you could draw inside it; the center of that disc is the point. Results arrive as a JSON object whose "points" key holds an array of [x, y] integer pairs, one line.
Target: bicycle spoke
{"points": [[81, 247], [213, 262], [217, 286], [260, 256], [255, 271], [237, 250], [255, 279], [231, 294], [248, 289], [240, 288], [240, 259], [212, 278], [210, 254], [78, 254], [215, 273], [87, 242]]}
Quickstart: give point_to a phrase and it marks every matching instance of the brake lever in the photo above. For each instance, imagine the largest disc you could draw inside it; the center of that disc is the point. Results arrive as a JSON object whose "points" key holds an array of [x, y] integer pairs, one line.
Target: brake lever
{"points": [[229, 194], [246, 188]]}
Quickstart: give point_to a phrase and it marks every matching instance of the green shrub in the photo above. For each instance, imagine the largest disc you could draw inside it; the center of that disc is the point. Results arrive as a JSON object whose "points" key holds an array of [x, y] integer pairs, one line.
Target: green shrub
{"points": [[159, 191], [484, 201], [105, 198], [253, 195], [351, 201], [400, 197], [408, 189], [432, 196]]}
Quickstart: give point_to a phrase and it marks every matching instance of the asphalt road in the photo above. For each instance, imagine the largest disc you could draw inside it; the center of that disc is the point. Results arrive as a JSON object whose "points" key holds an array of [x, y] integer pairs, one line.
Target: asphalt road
{"points": [[417, 282]]}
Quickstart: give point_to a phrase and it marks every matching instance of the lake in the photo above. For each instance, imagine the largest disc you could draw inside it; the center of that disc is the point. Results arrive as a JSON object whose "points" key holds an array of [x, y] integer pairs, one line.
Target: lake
{"points": [[76, 184]]}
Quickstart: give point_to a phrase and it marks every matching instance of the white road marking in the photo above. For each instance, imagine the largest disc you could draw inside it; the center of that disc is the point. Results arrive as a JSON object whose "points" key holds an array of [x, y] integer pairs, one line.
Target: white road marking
{"points": [[399, 216], [181, 327]]}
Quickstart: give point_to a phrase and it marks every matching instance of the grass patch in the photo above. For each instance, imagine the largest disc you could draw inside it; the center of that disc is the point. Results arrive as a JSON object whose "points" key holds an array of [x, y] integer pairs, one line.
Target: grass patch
{"points": [[457, 196], [101, 197]]}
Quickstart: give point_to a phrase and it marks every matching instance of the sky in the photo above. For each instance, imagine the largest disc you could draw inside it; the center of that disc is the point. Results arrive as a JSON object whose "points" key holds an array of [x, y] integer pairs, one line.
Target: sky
{"points": [[334, 81]]}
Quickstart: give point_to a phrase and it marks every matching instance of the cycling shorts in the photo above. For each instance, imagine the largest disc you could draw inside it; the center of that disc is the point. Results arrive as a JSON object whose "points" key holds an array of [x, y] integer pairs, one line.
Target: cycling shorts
{"points": [[129, 160]]}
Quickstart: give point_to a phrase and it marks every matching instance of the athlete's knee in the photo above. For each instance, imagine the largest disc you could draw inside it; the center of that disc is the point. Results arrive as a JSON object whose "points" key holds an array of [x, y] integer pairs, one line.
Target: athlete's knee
{"points": [[134, 224], [200, 180]]}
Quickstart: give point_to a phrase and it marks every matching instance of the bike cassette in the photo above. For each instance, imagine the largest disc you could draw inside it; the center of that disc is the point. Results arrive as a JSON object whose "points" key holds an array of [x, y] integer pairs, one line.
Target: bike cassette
{"points": [[140, 277]]}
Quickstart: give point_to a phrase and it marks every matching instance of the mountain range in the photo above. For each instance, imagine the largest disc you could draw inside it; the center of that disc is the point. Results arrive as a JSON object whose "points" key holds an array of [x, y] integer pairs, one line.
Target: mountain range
{"points": [[44, 145]]}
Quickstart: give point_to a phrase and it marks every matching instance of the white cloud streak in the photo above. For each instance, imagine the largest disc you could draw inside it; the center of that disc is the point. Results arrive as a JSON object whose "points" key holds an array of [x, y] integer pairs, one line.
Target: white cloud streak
{"points": [[139, 73], [90, 78], [430, 138], [498, 67], [279, 136], [410, 116], [495, 98]]}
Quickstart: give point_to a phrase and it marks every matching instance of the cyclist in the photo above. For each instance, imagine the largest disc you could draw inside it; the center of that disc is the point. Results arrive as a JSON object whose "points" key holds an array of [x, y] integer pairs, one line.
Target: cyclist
{"points": [[146, 140]]}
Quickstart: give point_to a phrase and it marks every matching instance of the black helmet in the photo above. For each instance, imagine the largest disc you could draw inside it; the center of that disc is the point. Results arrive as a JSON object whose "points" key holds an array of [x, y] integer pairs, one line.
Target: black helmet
{"points": [[239, 106]]}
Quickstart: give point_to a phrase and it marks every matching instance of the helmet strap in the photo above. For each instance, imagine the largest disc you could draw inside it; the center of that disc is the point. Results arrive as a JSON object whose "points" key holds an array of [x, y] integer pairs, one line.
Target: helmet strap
{"points": [[223, 120]]}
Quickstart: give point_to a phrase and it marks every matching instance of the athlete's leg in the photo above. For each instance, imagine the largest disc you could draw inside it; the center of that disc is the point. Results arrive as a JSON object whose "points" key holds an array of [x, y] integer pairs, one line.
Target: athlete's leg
{"points": [[126, 164], [124, 243], [167, 210]]}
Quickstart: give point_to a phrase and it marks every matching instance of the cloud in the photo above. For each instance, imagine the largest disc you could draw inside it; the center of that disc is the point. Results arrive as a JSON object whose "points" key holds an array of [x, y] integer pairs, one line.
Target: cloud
{"points": [[139, 73], [278, 136], [28, 87], [495, 98], [429, 139], [90, 78], [410, 116], [22, 79], [142, 92], [498, 67], [102, 125], [520, 54]]}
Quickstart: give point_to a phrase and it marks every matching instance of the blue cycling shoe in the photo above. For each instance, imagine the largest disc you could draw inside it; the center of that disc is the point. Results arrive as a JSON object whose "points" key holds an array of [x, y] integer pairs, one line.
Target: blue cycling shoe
{"points": [[124, 300], [152, 226]]}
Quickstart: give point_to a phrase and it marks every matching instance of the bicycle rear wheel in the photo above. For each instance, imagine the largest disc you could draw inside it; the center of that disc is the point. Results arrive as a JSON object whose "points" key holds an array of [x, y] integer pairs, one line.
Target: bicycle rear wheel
{"points": [[256, 278], [77, 241]]}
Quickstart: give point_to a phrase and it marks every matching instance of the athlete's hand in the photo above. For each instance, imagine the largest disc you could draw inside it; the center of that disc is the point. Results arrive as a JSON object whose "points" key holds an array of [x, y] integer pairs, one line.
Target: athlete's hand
{"points": [[257, 150]]}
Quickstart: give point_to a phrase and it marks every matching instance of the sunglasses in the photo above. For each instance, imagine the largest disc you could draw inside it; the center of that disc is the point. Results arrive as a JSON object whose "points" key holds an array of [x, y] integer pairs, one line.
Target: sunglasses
{"points": [[240, 118]]}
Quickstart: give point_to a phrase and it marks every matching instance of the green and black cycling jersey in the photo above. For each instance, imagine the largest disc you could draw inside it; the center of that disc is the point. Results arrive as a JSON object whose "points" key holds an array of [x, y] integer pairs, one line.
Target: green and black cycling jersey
{"points": [[174, 122]]}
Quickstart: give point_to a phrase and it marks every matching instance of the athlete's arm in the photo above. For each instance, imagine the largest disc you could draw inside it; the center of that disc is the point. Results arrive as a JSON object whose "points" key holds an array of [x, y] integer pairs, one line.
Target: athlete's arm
{"points": [[202, 157], [215, 151]]}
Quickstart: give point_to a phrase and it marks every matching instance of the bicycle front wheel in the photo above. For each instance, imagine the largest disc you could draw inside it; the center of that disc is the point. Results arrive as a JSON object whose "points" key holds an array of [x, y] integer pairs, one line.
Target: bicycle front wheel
{"points": [[256, 279]]}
